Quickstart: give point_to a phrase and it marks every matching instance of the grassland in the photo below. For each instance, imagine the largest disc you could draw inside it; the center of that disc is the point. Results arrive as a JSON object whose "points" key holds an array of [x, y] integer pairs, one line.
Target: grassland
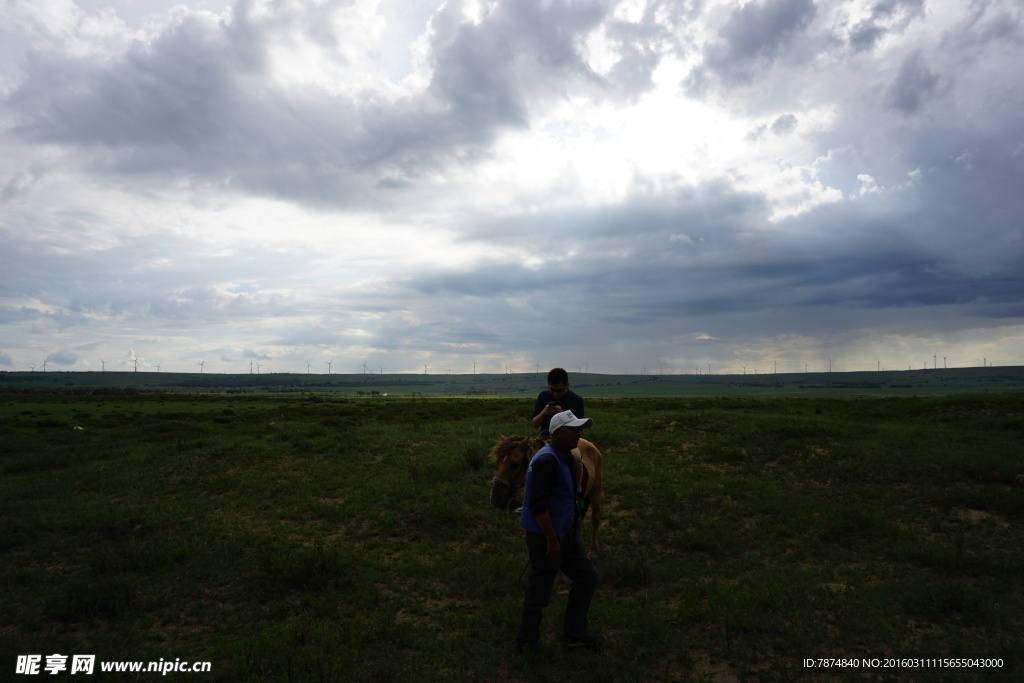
{"points": [[327, 537]]}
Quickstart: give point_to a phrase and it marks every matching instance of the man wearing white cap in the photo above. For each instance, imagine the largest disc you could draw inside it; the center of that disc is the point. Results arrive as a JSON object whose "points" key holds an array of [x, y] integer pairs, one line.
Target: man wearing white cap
{"points": [[551, 518]]}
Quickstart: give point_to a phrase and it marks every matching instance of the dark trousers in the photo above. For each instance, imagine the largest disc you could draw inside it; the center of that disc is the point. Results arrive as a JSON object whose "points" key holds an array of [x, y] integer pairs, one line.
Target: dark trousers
{"points": [[575, 564]]}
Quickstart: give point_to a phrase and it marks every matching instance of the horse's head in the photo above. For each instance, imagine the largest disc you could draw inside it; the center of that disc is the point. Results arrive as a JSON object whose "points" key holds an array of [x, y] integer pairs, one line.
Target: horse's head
{"points": [[512, 454]]}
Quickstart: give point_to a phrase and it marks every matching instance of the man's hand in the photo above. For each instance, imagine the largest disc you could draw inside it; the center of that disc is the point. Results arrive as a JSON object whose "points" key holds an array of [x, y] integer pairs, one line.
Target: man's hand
{"points": [[554, 547], [551, 410]]}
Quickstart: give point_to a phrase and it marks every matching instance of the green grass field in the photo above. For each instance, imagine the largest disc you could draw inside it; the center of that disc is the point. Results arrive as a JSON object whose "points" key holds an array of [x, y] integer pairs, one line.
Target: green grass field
{"points": [[325, 538]]}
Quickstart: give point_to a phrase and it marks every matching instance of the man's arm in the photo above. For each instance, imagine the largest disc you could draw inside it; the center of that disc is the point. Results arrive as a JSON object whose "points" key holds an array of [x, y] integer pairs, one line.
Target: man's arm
{"points": [[540, 410], [544, 522]]}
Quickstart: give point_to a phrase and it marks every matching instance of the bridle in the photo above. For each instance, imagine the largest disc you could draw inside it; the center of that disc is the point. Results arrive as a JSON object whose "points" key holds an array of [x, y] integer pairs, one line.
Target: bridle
{"points": [[514, 486]]}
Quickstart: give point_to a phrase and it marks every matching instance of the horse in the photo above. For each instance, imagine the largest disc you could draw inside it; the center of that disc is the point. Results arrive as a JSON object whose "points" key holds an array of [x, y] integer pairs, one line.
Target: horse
{"points": [[513, 454]]}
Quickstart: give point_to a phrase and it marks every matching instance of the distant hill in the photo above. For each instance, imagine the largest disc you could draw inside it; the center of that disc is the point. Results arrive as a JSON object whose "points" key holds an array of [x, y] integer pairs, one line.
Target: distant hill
{"points": [[590, 385]]}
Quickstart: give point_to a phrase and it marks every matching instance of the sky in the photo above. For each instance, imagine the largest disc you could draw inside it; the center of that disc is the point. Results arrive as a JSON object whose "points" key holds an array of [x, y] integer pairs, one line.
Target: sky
{"points": [[608, 186]]}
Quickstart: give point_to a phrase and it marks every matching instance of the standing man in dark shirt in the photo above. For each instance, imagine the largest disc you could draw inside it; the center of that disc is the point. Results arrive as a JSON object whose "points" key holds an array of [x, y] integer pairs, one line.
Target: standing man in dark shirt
{"points": [[555, 399], [552, 521]]}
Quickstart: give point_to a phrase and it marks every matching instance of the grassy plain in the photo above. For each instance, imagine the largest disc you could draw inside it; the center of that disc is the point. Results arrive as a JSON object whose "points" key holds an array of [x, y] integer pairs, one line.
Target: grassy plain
{"points": [[340, 538]]}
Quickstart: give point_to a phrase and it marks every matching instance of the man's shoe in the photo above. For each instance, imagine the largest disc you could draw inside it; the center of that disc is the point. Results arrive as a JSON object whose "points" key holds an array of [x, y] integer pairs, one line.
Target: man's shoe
{"points": [[588, 640], [522, 647]]}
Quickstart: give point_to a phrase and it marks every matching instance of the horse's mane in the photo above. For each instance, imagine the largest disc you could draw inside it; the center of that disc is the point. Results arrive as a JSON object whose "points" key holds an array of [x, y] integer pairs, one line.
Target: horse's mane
{"points": [[507, 445]]}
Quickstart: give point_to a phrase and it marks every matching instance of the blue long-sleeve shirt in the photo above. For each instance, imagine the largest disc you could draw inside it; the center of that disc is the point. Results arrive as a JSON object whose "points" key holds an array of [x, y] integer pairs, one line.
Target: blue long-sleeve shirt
{"points": [[550, 488]]}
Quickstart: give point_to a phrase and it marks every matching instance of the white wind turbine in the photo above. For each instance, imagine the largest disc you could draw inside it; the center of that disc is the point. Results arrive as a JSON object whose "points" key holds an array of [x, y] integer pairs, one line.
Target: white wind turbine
{"points": [[329, 363], [103, 368], [381, 369], [202, 366], [474, 366]]}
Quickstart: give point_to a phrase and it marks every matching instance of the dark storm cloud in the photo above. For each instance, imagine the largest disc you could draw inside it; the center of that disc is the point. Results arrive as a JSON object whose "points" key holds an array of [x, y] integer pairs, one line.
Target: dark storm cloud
{"points": [[195, 102], [890, 16], [709, 252], [915, 85], [754, 38]]}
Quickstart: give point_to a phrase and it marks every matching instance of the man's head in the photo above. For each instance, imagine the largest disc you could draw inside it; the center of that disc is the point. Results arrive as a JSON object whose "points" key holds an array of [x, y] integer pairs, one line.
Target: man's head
{"points": [[558, 382], [565, 429]]}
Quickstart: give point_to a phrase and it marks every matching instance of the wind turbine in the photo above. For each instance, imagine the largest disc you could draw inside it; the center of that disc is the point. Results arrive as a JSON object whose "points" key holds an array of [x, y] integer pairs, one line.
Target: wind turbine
{"points": [[364, 369], [158, 367], [829, 363], [381, 369], [744, 369], [424, 368], [103, 368], [134, 360], [943, 362], [474, 365], [258, 366], [251, 363], [308, 366], [329, 365], [709, 368], [202, 365], [776, 364], [44, 366], [586, 365]]}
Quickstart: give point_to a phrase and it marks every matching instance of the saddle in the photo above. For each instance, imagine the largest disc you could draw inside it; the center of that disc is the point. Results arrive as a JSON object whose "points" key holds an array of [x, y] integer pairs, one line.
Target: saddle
{"points": [[584, 473]]}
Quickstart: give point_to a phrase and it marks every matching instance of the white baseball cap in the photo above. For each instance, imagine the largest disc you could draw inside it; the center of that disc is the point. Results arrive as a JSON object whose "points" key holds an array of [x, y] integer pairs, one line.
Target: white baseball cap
{"points": [[567, 419]]}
